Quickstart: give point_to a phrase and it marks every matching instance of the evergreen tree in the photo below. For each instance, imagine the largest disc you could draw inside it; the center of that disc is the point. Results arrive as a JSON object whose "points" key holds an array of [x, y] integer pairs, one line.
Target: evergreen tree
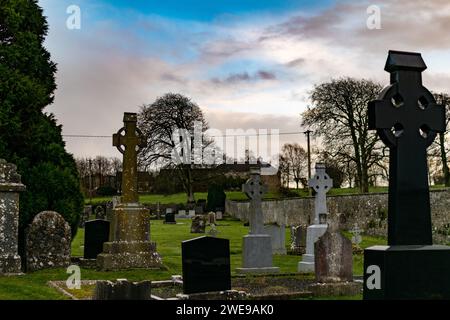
{"points": [[30, 137]]}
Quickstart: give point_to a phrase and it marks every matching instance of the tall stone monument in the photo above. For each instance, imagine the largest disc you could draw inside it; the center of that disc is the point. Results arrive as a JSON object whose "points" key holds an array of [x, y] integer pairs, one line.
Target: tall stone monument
{"points": [[129, 243], [321, 183], [256, 246], [407, 120], [10, 186]]}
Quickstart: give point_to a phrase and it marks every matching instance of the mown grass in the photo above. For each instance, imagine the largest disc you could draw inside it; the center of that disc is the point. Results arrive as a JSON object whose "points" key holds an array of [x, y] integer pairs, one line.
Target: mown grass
{"points": [[181, 198], [33, 286]]}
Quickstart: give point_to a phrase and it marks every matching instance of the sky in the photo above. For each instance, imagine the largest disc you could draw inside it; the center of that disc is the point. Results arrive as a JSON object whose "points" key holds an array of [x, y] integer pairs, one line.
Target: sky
{"points": [[248, 64]]}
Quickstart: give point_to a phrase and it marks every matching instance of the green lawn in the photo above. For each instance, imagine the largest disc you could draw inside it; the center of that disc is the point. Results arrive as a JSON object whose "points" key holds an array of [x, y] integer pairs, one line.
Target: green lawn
{"points": [[179, 198], [168, 238]]}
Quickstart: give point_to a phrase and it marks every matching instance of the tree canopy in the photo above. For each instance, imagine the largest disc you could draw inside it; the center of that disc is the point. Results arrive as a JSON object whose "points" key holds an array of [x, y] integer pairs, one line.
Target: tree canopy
{"points": [[30, 137]]}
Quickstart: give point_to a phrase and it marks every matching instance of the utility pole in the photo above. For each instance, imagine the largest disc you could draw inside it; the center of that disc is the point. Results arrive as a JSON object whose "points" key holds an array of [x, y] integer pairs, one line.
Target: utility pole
{"points": [[308, 133], [90, 180]]}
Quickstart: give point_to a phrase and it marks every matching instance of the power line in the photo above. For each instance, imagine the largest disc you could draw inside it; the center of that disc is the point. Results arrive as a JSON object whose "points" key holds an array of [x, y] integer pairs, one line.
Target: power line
{"points": [[82, 136]]}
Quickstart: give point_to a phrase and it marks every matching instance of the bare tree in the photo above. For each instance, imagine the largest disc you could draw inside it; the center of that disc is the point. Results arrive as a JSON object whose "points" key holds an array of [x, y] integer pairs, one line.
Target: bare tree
{"points": [[441, 146], [168, 125], [295, 158], [339, 115]]}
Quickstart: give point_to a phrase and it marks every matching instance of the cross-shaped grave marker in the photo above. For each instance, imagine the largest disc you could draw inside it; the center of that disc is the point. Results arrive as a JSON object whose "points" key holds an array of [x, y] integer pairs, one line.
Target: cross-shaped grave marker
{"points": [[321, 183], [356, 234], [129, 141], [407, 119], [255, 190]]}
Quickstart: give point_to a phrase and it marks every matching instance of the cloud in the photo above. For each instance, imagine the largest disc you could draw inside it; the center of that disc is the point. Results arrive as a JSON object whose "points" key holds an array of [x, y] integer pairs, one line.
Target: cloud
{"points": [[251, 71], [237, 78]]}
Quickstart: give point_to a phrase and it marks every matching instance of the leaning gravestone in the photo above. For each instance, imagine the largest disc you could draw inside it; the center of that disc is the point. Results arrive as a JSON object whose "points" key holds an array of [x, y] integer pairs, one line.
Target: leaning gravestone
{"points": [[10, 186], [256, 246], [333, 256], [321, 183], [407, 120], [48, 242], [206, 265], [334, 263], [278, 236], [96, 233]]}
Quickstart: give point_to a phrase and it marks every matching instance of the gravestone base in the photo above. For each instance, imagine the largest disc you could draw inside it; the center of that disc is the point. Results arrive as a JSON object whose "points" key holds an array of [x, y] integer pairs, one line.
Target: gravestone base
{"points": [[215, 295], [122, 289], [10, 264], [335, 289], [129, 255], [129, 246], [257, 254], [407, 272], [313, 233]]}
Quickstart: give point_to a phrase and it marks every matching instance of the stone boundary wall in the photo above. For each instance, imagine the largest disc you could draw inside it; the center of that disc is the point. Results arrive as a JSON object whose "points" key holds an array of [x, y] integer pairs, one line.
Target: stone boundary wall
{"points": [[368, 210]]}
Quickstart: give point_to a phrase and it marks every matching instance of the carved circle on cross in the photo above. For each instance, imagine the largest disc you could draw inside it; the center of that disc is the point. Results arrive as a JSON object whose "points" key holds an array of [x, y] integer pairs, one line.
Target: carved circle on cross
{"points": [[424, 100], [122, 133]]}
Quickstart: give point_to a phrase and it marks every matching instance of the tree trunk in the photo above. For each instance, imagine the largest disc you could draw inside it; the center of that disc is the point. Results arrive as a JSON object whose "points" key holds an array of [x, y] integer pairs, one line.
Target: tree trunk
{"points": [[296, 182], [190, 191], [445, 169]]}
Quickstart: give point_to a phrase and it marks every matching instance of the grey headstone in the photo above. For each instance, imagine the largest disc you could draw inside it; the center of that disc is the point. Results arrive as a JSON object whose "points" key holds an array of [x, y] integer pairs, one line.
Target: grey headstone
{"points": [[256, 246], [10, 186], [278, 235], [48, 242], [333, 256], [321, 183]]}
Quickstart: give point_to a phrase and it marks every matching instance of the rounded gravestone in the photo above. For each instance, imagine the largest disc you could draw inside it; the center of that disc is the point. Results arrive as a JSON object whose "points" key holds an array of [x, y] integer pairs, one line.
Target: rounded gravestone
{"points": [[48, 242]]}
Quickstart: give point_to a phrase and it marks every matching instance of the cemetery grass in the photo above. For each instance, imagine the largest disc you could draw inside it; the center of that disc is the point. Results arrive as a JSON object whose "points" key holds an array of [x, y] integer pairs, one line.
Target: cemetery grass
{"points": [[33, 286], [181, 198]]}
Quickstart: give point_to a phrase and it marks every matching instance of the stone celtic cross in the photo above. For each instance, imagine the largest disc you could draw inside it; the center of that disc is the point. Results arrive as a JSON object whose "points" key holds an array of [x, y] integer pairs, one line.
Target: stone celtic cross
{"points": [[321, 183], [255, 190], [129, 141], [407, 119]]}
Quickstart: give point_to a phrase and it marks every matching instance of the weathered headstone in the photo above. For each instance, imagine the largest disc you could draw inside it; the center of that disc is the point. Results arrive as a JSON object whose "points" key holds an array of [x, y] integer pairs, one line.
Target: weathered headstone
{"points": [[129, 245], [96, 233], [256, 246], [191, 213], [213, 230], [407, 120], [356, 235], [298, 239], [48, 241], [219, 215], [206, 265], [321, 183], [278, 236], [10, 186], [333, 255], [100, 212], [122, 289], [198, 224], [109, 211], [211, 218]]}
